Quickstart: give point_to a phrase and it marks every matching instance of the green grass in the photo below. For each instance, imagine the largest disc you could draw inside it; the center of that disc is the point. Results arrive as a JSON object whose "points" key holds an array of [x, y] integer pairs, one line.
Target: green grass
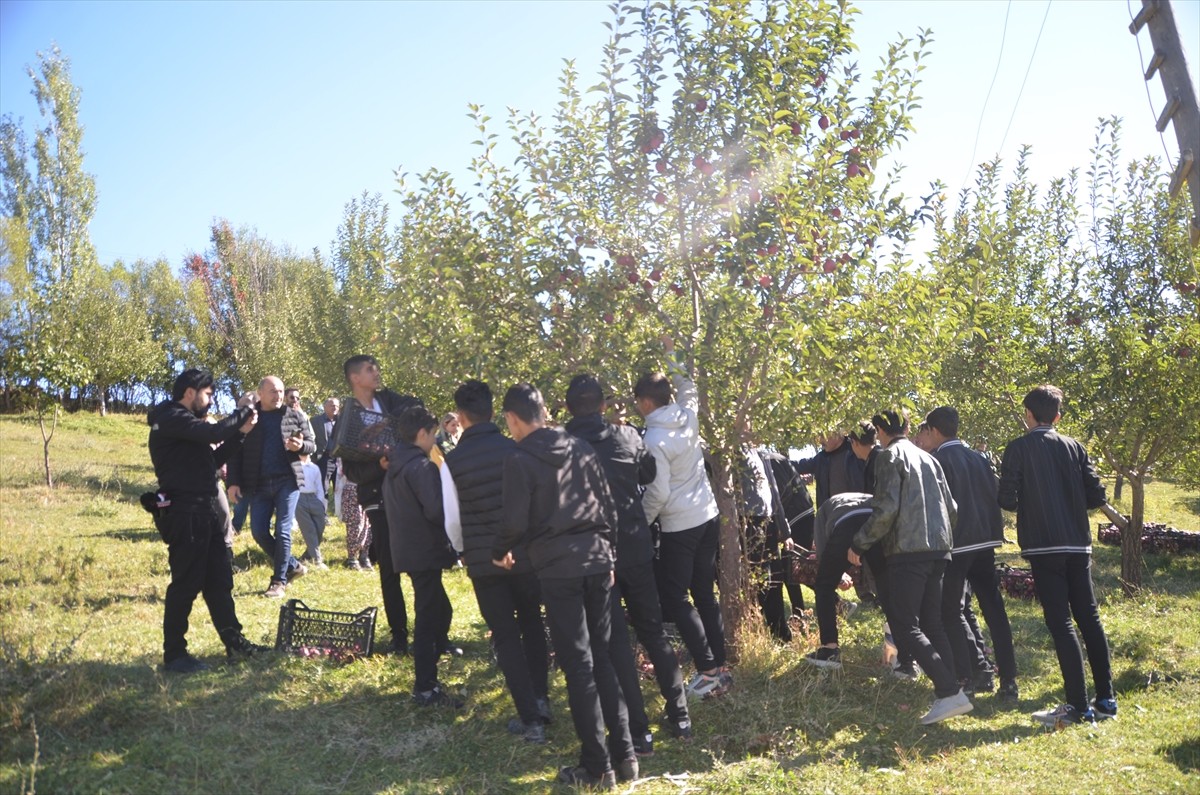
{"points": [[84, 707]]}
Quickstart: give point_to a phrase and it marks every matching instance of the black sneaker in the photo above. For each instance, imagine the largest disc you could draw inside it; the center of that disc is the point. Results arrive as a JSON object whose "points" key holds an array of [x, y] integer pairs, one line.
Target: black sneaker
{"points": [[1063, 715], [1104, 708], [643, 746], [580, 777], [185, 664], [1008, 692], [451, 651], [967, 686], [908, 672], [679, 729], [825, 657], [239, 648], [437, 698], [627, 770], [398, 648], [543, 708], [533, 732], [984, 681]]}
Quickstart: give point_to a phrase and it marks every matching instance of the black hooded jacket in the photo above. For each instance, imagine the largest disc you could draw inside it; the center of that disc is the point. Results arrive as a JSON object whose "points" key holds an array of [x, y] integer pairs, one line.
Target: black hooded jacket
{"points": [[477, 465], [412, 496], [181, 451], [557, 498], [628, 466]]}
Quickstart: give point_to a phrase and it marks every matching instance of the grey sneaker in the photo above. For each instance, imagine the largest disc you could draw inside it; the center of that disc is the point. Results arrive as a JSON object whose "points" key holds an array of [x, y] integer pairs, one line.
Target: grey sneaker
{"points": [[276, 590], [948, 707], [908, 673]]}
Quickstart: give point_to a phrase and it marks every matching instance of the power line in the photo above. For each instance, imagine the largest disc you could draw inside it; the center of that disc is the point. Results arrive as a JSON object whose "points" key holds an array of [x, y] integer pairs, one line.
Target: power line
{"points": [[979, 129], [1146, 84], [1026, 78]]}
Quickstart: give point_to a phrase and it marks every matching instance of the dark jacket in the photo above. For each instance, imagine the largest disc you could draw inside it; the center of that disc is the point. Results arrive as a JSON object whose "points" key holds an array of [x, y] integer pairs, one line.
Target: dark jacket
{"points": [[798, 506], [821, 467], [245, 467], [762, 503], [412, 497], [628, 466], [181, 451], [368, 475], [843, 516], [477, 466], [320, 437], [912, 512], [973, 484], [557, 497], [1049, 481]]}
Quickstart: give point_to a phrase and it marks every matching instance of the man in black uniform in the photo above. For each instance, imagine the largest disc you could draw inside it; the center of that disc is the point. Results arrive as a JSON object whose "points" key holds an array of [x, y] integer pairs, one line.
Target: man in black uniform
{"points": [[190, 517], [629, 466]]}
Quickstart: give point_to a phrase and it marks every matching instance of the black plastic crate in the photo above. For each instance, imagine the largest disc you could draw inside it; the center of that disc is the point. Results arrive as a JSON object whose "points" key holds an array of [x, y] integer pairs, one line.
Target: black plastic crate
{"points": [[325, 631], [362, 434]]}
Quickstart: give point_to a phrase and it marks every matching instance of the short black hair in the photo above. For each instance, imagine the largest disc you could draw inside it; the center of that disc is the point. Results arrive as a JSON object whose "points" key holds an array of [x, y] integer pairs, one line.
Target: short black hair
{"points": [[584, 395], [355, 363], [525, 401], [413, 420], [944, 419], [1044, 403], [191, 379], [863, 432], [474, 399], [893, 422], [656, 387]]}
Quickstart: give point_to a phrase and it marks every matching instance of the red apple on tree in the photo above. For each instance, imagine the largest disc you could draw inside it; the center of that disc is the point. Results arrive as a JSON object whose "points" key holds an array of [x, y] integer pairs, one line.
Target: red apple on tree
{"points": [[764, 281], [701, 105], [835, 213], [853, 170], [661, 166], [823, 122], [830, 266], [660, 198]]}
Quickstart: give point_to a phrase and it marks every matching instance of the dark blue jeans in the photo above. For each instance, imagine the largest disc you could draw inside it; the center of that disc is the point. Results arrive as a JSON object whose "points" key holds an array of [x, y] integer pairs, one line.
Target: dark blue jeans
{"points": [[277, 495], [1064, 587]]}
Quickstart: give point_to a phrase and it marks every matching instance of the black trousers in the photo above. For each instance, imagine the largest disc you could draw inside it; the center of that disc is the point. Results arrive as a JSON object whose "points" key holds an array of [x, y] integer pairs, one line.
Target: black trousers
{"points": [[579, 614], [430, 627], [764, 556], [639, 592], [978, 569], [1064, 587], [877, 563], [687, 563], [389, 580], [199, 563], [511, 606], [916, 595]]}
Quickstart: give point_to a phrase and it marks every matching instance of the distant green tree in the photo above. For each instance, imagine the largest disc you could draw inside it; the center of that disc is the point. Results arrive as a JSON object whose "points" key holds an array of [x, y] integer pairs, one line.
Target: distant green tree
{"points": [[46, 212]]}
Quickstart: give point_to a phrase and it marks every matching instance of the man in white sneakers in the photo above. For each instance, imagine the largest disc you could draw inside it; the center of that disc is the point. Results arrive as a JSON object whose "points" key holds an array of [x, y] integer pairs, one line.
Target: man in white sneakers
{"points": [[681, 499]]}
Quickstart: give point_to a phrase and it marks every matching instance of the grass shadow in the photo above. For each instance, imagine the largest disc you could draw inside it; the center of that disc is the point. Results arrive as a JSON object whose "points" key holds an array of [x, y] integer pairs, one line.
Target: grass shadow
{"points": [[134, 534], [1184, 754]]}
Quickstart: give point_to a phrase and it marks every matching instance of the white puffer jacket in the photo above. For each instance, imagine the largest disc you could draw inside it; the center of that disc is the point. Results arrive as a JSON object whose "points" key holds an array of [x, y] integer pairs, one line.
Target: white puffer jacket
{"points": [[680, 496]]}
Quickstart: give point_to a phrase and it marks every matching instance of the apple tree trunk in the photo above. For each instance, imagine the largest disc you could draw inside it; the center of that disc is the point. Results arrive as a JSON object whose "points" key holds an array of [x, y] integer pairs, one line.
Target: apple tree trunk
{"points": [[1132, 562], [731, 573]]}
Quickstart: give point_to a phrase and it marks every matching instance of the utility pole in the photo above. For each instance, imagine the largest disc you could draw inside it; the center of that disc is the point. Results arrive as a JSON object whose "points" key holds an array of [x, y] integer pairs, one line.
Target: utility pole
{"points": [[1182, 107]]}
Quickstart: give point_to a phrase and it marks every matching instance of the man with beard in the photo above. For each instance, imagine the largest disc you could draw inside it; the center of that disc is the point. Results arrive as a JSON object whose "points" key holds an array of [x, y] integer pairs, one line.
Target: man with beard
{"points": [[189, 514]]}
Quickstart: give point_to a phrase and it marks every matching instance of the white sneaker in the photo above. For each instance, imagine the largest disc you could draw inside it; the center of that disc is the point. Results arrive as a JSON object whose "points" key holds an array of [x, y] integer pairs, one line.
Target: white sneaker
{"points": [[704, 686], [942, 708]]}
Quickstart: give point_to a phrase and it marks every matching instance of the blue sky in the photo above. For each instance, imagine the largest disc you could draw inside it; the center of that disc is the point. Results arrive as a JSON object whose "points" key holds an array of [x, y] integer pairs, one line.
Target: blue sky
{"points": [[275, 114]]}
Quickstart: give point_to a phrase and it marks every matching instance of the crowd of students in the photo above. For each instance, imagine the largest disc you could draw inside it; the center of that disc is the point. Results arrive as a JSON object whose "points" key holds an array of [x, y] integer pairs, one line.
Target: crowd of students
{"points": [[559, 519]]}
